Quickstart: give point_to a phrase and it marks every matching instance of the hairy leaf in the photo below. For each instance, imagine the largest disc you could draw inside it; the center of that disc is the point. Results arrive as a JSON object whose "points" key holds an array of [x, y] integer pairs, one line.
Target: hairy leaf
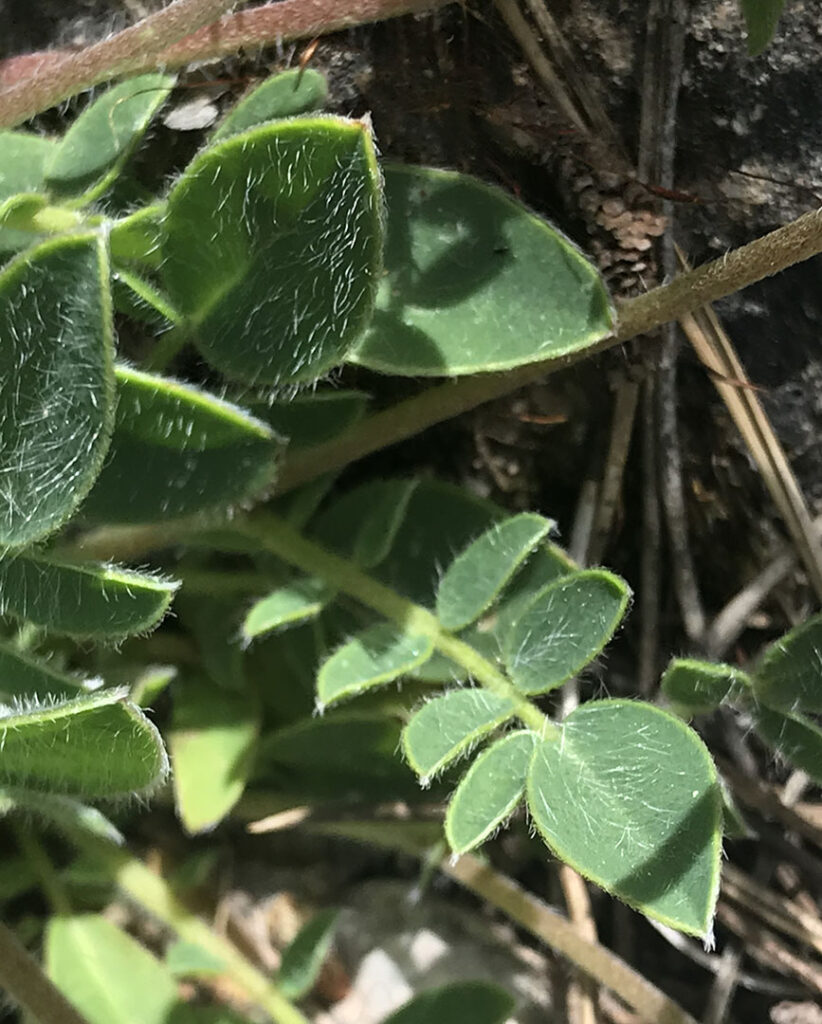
{"points": [[24, 676], [57, 394], [628, 796], [789, 676], [378, 655], [794, 737], [297, 91], [449, 725], [473, 581], [177, 451], [475, 282], [213, 733], [92, 152], [296, 602], [490, 791], [92, 746], [564, 628], [83, 600], [106, 973], [699, 687], [461, 1002], [303, 957], [296, 207]]}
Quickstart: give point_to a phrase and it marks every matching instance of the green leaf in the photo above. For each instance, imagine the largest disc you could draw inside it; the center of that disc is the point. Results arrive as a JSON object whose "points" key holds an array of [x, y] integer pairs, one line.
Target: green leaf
{"points": [[138, 237], [298, 91], [564, 628], [789, 676], [378, 655], [178, 451], [106, 973], [449, 725], [212, 740], [304, 956], [475, 282], [296, 207], [794, 737], [382, 522], [628, 796], [105, 602], [296, 602], [24, 676], [21, 170], [461, 1002], [17, 875], [92, 152], [312, 419], [489, 792], [473, 581], [138, 298], [187, 959], [64, 814], [339, 756], [761, 17], [699, 687], [97, 745], [57, 399]]}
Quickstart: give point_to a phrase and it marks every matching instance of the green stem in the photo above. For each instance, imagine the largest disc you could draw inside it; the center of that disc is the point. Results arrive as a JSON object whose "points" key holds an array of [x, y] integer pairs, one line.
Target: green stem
{"points": [[153, 894], [761, 258], [32, 849], [26, 982], [282, 540]]}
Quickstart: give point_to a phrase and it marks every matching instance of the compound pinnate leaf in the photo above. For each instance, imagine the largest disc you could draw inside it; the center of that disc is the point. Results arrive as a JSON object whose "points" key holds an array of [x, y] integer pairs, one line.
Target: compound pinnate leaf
{"points": [[699, 687], [92, 152], [794, 737], [473, 581], [490, 791], [303, 957], [761, 17], [57, 395], [24, 676], [177, 451], [297, 91], [378, 655], [449, 725], [475, 282], [290, 605], [24, 157], [564, 628], [106, 973], [97, 745], [789, 676], [461, 1002], [629, 797], [83, 600], [213, 733], [296, 207]]}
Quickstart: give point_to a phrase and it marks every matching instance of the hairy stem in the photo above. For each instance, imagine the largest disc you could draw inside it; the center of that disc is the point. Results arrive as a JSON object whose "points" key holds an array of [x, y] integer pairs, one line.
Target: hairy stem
{"points": [[25, 981], [790, 244], [43, 79], [292, 547]]}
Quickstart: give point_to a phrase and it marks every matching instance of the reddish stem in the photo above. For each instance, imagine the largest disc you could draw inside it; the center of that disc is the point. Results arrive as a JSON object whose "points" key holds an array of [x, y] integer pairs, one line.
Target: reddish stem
{"points": [[37, 81]]}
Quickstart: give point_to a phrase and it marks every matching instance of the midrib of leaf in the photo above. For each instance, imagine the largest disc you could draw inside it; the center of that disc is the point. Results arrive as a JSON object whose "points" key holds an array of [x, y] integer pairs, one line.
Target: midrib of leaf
{"points": [[282, 540]]}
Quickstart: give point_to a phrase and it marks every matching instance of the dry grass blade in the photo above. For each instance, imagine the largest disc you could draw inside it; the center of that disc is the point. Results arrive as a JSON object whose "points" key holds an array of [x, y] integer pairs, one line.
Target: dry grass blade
{"points": [[779, 912], [714, 348]]}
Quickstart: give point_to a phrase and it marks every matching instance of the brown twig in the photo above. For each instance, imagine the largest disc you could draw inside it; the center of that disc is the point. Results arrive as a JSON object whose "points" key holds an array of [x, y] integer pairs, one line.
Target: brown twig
{"points": [[24, 980], [43, 79]]}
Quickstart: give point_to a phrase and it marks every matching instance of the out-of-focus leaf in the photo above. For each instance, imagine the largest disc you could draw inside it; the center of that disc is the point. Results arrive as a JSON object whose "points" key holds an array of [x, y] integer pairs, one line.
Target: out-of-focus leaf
{"points": [[794, 737], [789, 676], [21, 170], [761, 18], [24, 676], [297, 91], [311, 419], [297, 601], [461, 1002], [303, 957]]}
